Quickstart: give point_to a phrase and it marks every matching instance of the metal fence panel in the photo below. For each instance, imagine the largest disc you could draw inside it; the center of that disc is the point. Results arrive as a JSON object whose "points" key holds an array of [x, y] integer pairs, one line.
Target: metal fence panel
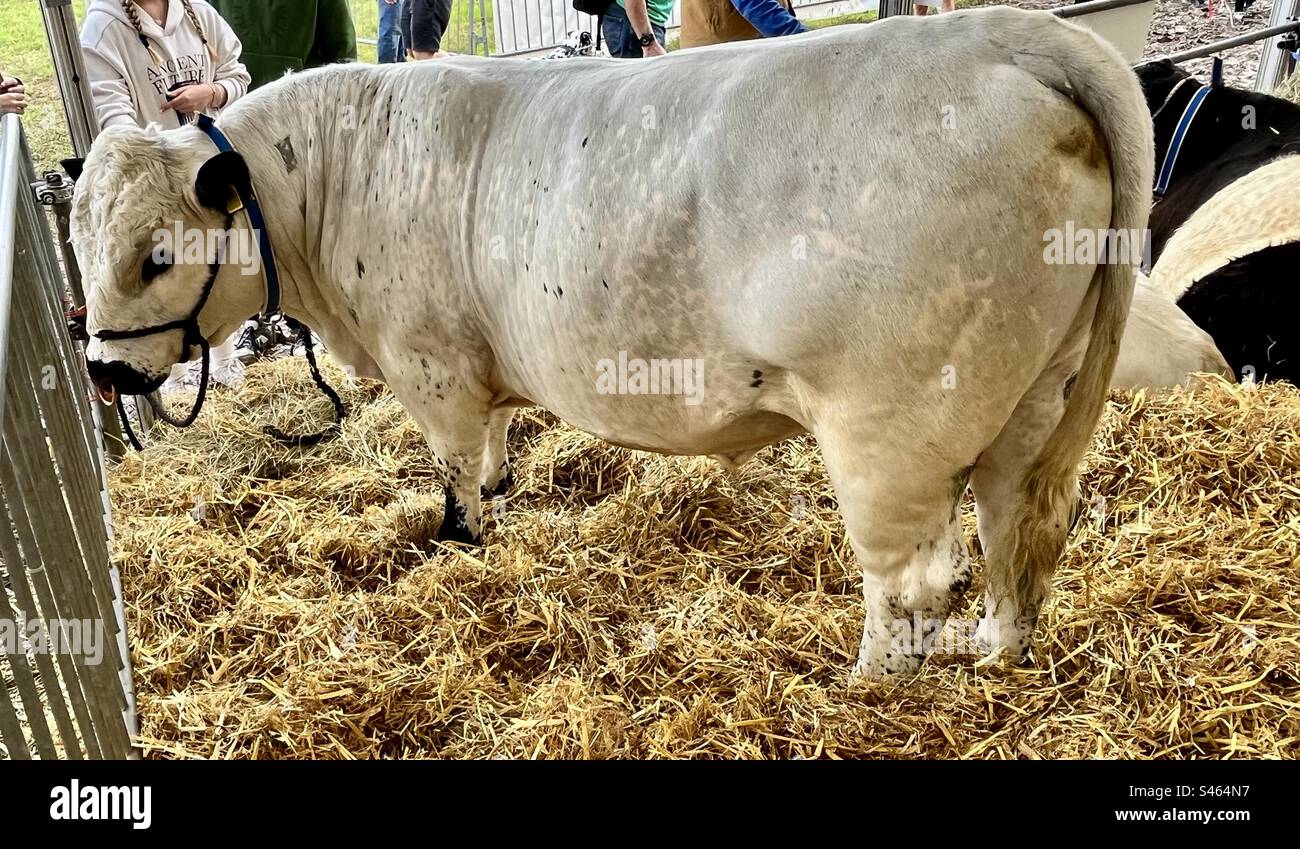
{"points": [[1275, 63], [523, 27], [65, 687]]}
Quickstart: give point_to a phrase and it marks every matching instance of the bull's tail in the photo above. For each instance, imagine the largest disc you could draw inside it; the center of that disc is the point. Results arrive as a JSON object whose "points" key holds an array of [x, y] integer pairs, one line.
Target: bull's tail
{"points": [[1091, 72]]}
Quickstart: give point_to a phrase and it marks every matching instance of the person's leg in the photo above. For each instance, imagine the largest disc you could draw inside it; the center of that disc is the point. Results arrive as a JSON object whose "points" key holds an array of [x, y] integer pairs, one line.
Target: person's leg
{"points": [[390, 39], [660, 34], [620, 40], [404, 25], [921, 9]]}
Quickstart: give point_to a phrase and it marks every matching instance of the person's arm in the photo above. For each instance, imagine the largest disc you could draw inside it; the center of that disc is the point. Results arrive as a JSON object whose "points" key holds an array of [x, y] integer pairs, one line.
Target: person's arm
{"points": [[108, 89], [640, 20], [429, 20], [13, 96], [229, 75], [769, 17], [336, 35]]}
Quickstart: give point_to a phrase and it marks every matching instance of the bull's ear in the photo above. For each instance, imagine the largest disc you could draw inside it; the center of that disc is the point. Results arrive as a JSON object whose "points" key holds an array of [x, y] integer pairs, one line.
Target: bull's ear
{"points": [[1158, 79], [1160, 73], [73, 167], [222, 180]]}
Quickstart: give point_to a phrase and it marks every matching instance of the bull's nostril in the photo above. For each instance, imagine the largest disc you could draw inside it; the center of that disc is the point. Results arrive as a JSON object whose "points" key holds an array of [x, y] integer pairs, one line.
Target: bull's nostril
{"points": [[100, 379]]}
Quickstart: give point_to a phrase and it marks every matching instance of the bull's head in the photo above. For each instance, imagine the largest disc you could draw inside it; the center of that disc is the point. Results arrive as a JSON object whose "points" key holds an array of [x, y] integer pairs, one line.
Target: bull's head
{"points": [[1158, 80], [141, 191]]}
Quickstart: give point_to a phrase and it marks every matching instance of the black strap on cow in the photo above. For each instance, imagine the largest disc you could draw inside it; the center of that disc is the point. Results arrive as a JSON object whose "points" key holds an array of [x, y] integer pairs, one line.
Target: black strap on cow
{"points": [[305, 440], [597, 9], [193, 336]]}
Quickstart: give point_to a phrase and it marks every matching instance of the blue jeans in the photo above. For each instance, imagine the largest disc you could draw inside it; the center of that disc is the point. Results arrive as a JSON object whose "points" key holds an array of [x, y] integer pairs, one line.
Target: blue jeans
{"points": [[620, 38], [390, 45]]}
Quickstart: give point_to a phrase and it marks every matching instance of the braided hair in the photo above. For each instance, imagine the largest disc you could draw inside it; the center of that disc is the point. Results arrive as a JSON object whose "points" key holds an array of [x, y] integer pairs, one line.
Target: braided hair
{"points": [[132, 13], [198, 27]]}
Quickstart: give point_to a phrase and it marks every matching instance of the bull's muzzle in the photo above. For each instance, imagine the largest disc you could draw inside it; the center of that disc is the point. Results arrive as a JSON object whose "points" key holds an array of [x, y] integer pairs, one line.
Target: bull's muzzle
{"points": [[115, 376]]}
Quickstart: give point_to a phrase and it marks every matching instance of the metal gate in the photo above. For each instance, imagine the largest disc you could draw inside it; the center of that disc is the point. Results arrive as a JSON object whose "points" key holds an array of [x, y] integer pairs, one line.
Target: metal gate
{"points": [[532, 27], [65, 682]]}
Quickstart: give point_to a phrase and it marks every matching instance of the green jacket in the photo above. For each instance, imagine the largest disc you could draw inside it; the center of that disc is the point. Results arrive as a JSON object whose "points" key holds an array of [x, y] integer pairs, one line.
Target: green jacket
{"points": [[290, 35]]}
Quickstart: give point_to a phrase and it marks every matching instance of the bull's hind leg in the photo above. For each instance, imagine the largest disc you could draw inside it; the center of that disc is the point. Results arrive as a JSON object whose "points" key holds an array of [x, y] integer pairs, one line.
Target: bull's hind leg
{"points": [[905, 527], [1022, 533], [496, 459]]}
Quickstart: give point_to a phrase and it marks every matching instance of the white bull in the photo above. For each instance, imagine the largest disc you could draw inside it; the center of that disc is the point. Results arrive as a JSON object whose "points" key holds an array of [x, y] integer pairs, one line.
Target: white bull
{"points": [[485, 234]]}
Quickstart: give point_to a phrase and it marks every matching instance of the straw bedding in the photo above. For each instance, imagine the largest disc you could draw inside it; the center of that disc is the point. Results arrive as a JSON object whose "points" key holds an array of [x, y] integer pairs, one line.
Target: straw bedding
{"points": [[1289, 89], [292, 604]]}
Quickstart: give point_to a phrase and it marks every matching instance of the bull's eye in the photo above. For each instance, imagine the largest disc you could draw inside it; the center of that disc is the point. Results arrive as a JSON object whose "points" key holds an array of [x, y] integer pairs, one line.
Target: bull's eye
{"points": [[152, 268]]}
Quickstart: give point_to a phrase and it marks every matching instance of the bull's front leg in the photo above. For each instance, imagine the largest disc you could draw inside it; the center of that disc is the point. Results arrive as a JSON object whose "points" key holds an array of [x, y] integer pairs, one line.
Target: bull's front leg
{"points": [[454, 417], [456, 440]]}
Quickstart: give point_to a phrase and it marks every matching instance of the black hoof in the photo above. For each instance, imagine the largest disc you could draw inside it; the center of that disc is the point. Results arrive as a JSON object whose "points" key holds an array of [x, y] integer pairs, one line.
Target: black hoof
{"points": [[503, 486], [454, 531], [454, 527]]}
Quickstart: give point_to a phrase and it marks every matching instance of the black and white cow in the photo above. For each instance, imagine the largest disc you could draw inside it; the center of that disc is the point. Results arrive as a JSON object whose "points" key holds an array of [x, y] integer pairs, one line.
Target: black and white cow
{"points": [[1225, 238]]}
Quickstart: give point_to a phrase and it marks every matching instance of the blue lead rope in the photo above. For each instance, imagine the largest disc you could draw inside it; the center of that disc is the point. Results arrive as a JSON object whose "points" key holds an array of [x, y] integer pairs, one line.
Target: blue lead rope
{"points": [[255, 218], [272, 308]]}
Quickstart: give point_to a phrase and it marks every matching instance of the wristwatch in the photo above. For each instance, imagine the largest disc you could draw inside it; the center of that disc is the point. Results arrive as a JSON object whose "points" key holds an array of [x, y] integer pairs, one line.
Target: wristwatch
{"points": [[647, 39]]}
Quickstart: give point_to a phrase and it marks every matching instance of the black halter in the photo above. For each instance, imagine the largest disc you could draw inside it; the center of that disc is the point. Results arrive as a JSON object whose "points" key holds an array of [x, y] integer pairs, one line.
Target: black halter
{"points": [[193, 336]]}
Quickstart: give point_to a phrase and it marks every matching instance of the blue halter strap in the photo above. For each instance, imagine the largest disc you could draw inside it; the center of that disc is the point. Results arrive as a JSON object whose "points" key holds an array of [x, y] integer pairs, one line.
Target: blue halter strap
{"points": [[254, 210], [1185, 124]]}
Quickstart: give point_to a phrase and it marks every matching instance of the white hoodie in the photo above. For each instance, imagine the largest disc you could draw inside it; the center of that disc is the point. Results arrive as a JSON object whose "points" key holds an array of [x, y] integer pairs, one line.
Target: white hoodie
{"points": [[129, 87]]}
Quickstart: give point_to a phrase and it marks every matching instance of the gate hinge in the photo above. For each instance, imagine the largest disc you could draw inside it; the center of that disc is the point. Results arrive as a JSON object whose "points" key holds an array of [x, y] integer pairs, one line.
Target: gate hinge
{"points": [[52, 188]]}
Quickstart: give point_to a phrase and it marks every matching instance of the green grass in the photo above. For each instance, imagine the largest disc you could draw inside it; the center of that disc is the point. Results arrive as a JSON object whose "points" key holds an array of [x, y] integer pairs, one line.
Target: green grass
{"points": [[850, 18], [365, 17], [25, 54]]}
